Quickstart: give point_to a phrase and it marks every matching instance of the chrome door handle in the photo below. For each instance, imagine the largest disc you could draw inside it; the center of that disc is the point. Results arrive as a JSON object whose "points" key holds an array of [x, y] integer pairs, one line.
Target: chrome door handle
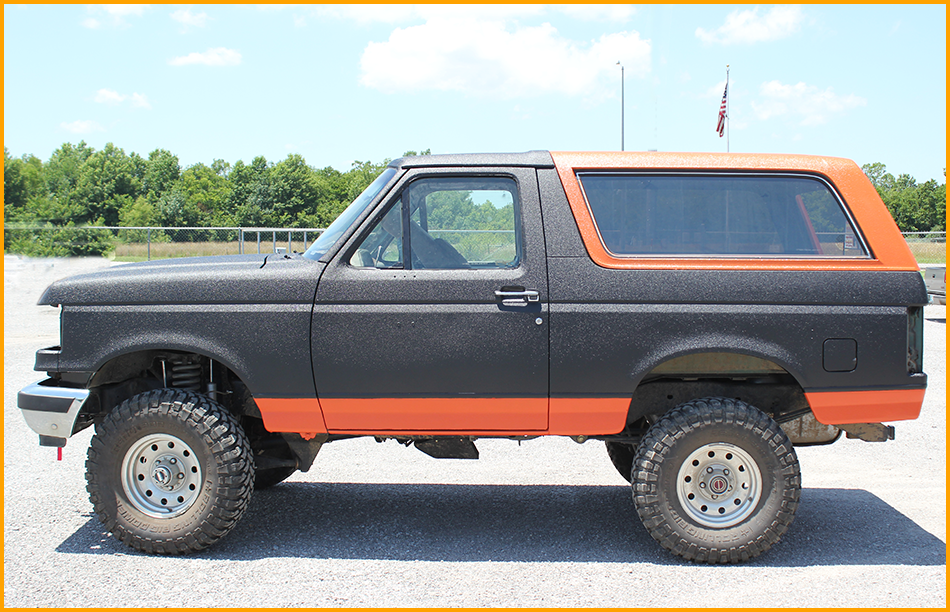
{"points": [[517, 298]]}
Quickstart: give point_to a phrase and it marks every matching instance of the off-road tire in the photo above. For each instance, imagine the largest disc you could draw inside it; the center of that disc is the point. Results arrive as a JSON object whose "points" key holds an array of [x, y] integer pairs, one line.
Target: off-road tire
{"points": [[621, 455], [157, 441], [665, 476], [265, 479]]}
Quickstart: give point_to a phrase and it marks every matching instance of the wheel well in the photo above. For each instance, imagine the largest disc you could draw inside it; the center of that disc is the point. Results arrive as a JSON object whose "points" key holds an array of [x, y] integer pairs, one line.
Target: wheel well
{"points": [[132, 373], [755, 380]]}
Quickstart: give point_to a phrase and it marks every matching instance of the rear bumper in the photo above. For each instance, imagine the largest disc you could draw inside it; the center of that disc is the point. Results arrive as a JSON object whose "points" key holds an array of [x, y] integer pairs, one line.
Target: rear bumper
{"points": [[51, 409]]}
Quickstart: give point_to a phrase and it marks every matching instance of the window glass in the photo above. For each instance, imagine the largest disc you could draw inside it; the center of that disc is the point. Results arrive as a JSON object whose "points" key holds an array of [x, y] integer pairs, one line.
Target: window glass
{"points": [[452, 223], [326, 240], [639, 214], [382, 248]]}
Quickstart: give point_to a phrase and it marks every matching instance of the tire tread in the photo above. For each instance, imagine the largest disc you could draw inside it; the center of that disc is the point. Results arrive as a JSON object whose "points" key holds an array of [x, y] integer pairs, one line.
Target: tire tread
{"points": [[220, 432], [673, 427]]}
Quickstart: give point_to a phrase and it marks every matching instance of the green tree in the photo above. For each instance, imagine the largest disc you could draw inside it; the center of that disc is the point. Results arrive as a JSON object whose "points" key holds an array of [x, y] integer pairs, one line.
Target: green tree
{"points": [[161, 173], [915, 208], [107, 179], [208, 192]]}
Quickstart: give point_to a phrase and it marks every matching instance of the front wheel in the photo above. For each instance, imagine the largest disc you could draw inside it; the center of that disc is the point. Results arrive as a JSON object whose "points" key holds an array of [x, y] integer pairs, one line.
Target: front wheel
{"points": [[169, 471], [716, 480]]}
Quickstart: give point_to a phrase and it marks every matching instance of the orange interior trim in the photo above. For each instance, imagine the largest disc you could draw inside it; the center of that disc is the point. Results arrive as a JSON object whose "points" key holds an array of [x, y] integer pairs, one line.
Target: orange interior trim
{"points": [[292, 415], [890, 251], [842, 407]]}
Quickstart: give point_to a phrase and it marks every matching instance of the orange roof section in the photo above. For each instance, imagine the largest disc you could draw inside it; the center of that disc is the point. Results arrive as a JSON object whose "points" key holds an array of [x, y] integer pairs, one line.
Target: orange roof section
{"points": [[888, 248]]}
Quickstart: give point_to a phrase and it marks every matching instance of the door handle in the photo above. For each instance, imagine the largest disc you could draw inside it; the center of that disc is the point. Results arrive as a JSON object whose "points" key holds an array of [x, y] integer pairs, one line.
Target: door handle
{"points": [[517, 298]]}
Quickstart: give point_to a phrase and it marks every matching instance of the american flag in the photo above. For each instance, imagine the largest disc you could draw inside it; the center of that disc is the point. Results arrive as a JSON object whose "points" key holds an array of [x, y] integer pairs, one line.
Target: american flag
{"points": [[721, 126]]}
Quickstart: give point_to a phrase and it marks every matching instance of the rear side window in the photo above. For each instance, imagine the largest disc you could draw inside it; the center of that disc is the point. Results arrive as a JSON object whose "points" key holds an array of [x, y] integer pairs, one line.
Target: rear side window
{"points": [[729, 215]]}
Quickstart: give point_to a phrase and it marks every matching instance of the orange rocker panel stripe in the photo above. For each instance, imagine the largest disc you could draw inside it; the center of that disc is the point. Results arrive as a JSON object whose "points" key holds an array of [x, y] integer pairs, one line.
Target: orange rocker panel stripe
{"points": [[448, 416], [566, 417], [843, 407]]}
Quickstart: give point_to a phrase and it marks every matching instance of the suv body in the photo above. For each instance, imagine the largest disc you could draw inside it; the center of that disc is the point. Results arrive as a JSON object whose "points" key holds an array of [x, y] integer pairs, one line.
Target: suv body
{"points": [[700, 313]]}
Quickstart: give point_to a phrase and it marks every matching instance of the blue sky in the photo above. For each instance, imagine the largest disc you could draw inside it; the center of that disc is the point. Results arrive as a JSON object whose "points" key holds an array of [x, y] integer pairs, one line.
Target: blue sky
{"points": [[362, 82]]}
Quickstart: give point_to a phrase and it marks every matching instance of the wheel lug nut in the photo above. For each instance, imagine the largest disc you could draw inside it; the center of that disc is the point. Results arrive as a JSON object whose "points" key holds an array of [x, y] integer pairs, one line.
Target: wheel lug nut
{"points": [[725, 472], [709, 470], [702, 485], [172, 462]]}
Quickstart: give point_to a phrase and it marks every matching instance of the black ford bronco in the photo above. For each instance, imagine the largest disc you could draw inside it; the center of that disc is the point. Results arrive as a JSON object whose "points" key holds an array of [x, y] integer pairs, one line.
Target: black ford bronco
{"points": [[702, 314]]}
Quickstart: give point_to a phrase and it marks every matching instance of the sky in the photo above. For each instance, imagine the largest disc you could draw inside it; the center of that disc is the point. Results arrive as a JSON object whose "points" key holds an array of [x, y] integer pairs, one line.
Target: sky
{"points": [[347, 83]]}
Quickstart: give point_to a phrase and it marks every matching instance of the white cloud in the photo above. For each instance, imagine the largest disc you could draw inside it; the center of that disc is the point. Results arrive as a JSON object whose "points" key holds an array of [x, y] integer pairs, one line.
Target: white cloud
{"points": [[487, 59], [107, 96], [112, 14], [140, 101], [369, 13], [81, 127], [812, 105], [401, 13], [613, 13], [219, 56], [746, 27], [124, 10], [113, 98], [187, 18]]}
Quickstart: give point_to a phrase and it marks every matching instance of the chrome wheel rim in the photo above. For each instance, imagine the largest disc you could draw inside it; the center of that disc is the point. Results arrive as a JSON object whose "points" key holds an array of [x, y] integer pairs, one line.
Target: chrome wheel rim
{"points": [[161, 476], [719, 485]]}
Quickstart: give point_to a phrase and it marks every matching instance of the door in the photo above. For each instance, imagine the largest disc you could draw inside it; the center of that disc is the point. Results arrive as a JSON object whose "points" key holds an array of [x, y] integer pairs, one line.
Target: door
{"points": [[433, 317]]}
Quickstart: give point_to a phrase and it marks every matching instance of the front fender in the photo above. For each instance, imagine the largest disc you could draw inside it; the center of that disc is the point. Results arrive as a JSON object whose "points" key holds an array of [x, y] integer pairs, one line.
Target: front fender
{"points": [[266, 345]]}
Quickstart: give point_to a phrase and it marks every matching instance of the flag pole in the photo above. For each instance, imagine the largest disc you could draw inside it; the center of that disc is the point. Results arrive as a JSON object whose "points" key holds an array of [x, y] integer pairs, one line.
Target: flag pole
{"points": [[727, 109]]}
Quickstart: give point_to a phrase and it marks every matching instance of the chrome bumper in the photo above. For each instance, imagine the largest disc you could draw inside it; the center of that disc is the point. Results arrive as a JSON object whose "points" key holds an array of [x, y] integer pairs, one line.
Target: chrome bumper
{"points": [[51, 410]]}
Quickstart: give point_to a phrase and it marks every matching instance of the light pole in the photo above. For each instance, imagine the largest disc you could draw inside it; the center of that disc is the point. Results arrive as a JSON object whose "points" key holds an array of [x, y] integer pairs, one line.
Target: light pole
{"points": [[621, 105]]}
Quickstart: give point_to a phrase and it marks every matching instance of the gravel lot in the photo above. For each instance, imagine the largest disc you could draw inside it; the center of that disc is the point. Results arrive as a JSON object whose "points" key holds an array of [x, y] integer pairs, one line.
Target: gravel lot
{"points": [[545, 523]]}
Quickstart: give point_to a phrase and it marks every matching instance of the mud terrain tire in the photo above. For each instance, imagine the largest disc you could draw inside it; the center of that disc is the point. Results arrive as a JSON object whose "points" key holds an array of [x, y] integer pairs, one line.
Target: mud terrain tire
{"points": [[169, 471], [716, 480]]}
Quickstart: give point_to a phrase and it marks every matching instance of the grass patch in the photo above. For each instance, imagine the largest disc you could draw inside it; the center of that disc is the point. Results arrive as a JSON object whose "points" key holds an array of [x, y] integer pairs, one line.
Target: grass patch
{"points": [[140, 251], [929, 252]]}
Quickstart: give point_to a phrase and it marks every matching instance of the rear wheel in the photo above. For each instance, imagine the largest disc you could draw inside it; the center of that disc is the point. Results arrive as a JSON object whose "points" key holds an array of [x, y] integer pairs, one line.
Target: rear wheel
{"points": [[716, 480], [169, 471]]}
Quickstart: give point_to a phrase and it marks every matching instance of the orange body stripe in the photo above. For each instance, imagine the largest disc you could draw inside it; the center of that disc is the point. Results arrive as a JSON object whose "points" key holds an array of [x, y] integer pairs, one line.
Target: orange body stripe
{"points": [[842, 407], [456, 415], [446, 416], [292, 415], [890, 251], [588, 416]]}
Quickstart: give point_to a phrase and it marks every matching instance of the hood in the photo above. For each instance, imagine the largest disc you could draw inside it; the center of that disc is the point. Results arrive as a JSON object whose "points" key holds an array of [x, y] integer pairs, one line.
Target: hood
{"points": [[228, 279]]}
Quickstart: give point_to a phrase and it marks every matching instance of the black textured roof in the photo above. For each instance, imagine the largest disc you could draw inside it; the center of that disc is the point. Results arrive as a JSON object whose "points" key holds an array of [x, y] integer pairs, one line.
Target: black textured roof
{"points": [[534, 159]]}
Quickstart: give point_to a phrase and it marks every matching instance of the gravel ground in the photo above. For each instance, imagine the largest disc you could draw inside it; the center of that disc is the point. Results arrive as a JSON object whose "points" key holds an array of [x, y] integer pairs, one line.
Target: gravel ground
{"points": [[545, 523]]}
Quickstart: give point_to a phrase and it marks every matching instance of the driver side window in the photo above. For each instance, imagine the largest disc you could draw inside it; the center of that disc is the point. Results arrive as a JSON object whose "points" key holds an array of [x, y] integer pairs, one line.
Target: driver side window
{"points": [[446, 223], [382, 248]]}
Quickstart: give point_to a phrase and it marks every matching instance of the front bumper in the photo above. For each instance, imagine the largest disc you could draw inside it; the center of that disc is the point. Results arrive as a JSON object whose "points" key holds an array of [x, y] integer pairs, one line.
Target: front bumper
{"points": [[51, 409]]}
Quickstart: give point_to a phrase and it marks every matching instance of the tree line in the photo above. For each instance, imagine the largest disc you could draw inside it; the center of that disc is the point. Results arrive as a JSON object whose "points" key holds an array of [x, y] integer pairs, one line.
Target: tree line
{"points": [[81, 186], [916, 207]]}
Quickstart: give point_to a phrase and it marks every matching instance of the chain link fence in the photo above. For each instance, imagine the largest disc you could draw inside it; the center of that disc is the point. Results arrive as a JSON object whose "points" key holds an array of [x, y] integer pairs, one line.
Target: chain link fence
{"points": [[146, 243], [928, 247]]}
